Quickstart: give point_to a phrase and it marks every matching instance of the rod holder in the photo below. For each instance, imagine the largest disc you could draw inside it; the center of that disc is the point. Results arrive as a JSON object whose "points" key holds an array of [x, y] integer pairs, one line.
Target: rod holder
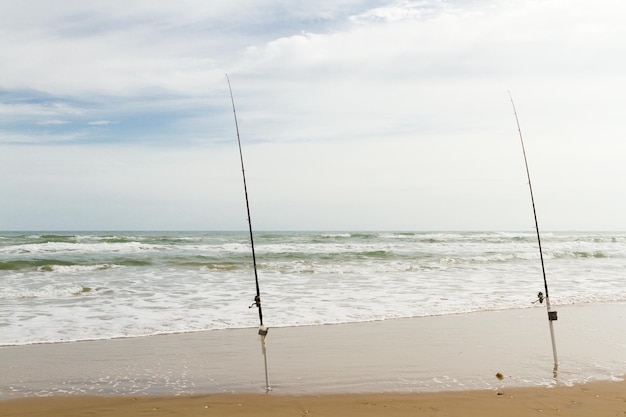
{"points": [[552, 316]]}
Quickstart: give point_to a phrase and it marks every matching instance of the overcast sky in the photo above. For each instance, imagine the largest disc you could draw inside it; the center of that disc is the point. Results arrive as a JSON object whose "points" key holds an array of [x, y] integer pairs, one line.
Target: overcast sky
{"points": [[354, 115]]}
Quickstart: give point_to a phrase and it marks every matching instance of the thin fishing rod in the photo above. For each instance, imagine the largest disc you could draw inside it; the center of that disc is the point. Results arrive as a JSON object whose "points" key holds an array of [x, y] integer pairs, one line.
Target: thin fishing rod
{"points": [[532, 197], [552, 316], [257, 299]]}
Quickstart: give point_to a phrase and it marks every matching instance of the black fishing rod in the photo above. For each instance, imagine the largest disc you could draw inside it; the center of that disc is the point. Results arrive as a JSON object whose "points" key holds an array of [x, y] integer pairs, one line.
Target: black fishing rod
{"points": [[257, 299], [552, 316]]}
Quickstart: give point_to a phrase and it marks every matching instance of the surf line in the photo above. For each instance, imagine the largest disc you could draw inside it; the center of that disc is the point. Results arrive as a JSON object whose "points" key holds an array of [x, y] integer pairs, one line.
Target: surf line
{"points": [[257, 299], [552, 316]]}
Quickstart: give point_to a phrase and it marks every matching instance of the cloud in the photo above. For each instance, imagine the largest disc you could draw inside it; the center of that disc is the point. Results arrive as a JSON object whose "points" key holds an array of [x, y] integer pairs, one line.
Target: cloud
{"points": [[100, 122], [53, 122], [80, 49], [398, 104], [400, 11], [42, 108], [102, 49]]}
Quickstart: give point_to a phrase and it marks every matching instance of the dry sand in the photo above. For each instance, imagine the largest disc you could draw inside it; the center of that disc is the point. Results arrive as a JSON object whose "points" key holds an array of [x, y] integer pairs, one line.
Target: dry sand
{"points": [[593, 399]]}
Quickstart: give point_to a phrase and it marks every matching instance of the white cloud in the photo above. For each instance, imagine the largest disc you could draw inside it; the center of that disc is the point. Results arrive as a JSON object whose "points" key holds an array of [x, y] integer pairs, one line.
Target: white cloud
{"points": [[53, 122], [100, 122], [398, 106], [40, 109], [399, 11]]}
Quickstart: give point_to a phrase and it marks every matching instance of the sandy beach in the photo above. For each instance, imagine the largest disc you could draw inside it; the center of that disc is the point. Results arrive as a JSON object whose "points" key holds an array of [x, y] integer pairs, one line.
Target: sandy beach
{"points": [[597, 399], [391, 367]]}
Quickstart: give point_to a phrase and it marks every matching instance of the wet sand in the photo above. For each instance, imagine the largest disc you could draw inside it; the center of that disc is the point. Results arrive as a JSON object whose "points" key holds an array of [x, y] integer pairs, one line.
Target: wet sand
{"points": [[393, 366], [593, 399]]}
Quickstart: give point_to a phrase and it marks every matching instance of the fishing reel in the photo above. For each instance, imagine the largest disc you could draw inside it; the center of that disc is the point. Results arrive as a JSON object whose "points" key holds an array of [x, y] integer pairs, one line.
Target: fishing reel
{"points": [[257, 302], [552, 316]]}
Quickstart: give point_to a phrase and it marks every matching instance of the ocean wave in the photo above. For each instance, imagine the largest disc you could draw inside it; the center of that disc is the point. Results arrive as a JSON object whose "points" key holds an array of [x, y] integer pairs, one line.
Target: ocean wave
{"points": [[335, 235], [44, 292], [218, 267], [101, 285], [34, 249], [25, 264], [579, 254], [75, 268], [57, 265]]}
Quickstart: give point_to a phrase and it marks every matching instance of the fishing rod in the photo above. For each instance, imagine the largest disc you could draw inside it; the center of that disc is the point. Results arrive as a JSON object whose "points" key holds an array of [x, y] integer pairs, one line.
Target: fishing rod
{"points": [[552, 316], [257, 299]]}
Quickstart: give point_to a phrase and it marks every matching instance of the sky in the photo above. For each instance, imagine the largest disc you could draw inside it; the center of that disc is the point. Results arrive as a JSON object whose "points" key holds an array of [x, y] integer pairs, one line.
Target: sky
{"points": [[353, 114]]}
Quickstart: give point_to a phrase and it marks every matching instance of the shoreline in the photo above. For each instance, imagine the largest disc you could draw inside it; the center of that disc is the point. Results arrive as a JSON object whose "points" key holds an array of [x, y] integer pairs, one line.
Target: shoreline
{"points": [[451, 353], [253, 329], [593, 398]]}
